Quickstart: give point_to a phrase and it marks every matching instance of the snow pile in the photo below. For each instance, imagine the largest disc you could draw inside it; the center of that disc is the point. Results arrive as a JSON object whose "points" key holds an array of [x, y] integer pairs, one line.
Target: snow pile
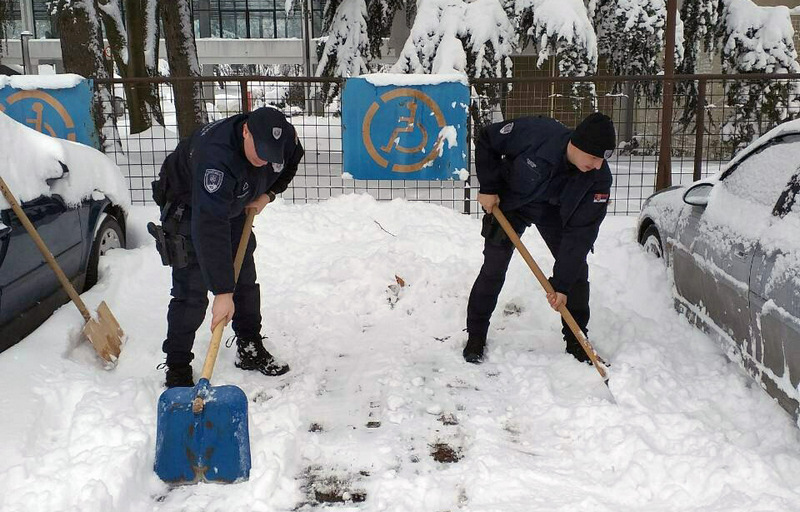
{"points": [[384, 79], [379, 405], [29, 158], [32, 82]]}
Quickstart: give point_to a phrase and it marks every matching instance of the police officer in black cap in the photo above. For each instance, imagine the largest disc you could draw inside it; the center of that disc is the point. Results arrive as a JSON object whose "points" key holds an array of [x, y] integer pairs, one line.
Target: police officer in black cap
{"points": [[540, 172], [204, 186]]}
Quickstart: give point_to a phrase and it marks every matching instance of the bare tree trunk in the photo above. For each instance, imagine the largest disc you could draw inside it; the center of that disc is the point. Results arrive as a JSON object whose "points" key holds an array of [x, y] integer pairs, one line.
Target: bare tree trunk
{"points": [[182, 58], [128, 54], [5, 19], [142, 30], [82, 50]]}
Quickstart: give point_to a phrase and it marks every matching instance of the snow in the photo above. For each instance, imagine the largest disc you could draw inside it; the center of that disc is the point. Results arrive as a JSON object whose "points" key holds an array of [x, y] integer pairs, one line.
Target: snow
{"points": [[28, 159], [562, 28], [346, 47], [32, 82], [399, 79], [535, 429], [445, 32]]}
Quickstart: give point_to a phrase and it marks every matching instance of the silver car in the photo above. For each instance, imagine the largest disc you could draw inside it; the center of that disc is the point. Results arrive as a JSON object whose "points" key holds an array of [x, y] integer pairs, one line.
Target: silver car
{"points": [[731, 244]]}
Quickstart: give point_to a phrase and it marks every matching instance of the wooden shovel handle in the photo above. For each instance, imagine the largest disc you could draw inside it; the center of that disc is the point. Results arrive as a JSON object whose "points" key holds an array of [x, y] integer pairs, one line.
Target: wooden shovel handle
{"points": [[568, 318], [48, 256], [216, 336]]}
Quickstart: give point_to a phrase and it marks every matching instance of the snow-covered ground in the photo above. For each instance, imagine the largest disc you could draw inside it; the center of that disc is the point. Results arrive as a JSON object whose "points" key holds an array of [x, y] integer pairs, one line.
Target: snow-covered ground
{"points": [[532, 429]]}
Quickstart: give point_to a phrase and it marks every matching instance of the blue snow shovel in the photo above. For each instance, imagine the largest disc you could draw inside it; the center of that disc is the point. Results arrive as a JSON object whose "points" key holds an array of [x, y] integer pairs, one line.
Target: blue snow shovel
{"points": [[202, 432]]}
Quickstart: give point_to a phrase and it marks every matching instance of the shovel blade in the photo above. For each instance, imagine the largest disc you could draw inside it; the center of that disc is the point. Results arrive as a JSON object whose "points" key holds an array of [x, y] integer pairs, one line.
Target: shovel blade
{"points": [[212, 445], [105, 334]]}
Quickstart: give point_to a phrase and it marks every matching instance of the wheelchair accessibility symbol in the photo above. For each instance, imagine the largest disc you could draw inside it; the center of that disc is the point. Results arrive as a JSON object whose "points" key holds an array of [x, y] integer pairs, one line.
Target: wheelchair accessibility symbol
{"points": [[40, 111], [412, 130]]}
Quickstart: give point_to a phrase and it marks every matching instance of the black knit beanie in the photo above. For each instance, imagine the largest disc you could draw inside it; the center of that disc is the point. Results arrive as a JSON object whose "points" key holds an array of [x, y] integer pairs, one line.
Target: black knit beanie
{"points": [[595, 135]]}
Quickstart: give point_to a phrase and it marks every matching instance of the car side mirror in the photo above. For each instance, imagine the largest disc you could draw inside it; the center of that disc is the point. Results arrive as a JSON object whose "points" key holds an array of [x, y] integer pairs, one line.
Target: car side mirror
{"points": [[4, 230], [697, 195]]}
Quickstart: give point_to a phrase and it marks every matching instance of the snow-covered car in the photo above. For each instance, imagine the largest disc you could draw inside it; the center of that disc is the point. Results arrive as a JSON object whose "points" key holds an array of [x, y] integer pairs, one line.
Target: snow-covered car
{"points": [[77, 200], [731, 244]]}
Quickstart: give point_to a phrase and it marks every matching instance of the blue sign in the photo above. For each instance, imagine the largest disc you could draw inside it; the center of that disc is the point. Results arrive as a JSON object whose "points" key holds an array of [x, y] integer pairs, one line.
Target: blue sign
{"points": [[62, 113], [404, 132]]}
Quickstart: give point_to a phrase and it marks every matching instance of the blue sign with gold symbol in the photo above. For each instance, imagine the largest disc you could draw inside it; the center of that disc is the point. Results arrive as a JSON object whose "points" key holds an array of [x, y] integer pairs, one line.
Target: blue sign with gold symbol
{"points": [[62, 113], [405, 132]]}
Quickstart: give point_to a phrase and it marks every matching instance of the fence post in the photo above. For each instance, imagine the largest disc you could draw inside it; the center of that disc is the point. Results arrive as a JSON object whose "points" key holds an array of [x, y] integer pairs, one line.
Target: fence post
{"points": [[664, 173], [28, 68], [467, 187], [700, 128], [244, 95]]}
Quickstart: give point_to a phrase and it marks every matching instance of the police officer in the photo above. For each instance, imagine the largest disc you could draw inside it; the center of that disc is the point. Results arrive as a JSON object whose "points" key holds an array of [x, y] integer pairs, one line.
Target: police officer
{"points": [[204, 186], [540, 172]]}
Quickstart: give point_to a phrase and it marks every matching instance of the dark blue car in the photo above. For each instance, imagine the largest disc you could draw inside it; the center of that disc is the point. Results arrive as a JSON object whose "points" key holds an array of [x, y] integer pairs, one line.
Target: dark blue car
{"points": [[77, 237]]}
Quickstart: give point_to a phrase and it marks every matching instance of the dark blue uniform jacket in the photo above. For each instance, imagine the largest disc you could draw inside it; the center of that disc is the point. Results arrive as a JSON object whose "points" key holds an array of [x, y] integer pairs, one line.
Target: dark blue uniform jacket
{"points": [[210, 173], [524, 162]]}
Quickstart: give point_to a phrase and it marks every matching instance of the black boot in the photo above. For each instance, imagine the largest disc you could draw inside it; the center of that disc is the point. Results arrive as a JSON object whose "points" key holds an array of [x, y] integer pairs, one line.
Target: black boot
{"points": [[251, 355], [575, 349], [178, 375], [473, 351]]}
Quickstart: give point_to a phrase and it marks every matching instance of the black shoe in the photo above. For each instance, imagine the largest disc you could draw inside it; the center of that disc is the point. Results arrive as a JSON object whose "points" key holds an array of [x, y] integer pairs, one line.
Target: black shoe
{"points": [[575, 349], [473, 351], [178, 375], [251, 355]]}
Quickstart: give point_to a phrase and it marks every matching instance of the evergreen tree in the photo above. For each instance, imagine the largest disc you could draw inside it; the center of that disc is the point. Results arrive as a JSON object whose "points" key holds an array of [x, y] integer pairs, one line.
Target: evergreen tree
{"points": [[700, 18], [630, 35], [452, 36], [346, 51], [560, 29], [757, 40]]}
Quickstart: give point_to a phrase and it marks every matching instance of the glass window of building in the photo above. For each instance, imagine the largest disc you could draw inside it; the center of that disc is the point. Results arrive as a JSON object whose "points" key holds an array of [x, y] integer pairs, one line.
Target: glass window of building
{"points": [[253, 19]]}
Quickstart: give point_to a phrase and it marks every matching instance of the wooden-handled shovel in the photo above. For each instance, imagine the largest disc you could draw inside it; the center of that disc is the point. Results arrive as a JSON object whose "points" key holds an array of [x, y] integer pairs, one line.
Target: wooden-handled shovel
{"points": [[202, 432], [598, 363], [104, 331]]}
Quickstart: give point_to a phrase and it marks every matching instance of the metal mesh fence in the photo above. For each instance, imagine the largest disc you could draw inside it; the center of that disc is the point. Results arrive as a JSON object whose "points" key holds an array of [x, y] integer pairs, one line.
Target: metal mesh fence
{"points": [[730, 111]]}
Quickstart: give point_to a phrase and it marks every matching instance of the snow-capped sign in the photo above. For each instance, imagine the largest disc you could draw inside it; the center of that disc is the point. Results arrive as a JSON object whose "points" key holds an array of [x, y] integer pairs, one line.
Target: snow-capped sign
{"points": [[49, 107], [404, 130]]}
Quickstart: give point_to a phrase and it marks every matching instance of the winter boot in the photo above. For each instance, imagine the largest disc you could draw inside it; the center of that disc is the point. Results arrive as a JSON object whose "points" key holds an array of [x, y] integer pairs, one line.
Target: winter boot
{"points": [[251, 355], [473, 351], [178, 375], [575, 349]]}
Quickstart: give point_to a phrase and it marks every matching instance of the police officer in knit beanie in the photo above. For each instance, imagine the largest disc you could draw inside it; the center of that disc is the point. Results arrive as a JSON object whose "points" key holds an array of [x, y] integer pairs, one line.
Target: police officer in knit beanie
{"points": [[595, 135], [527, 167]]}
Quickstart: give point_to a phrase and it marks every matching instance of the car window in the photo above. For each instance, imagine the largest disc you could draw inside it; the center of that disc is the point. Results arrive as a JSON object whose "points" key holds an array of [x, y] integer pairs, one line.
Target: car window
{"points": [[763, 176], [740, 208]]}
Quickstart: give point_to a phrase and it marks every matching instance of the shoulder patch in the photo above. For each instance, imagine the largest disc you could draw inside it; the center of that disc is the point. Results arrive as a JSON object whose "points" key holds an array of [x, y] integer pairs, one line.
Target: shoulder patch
{"points": [[505, 130], [212, 180], [601, 198]]}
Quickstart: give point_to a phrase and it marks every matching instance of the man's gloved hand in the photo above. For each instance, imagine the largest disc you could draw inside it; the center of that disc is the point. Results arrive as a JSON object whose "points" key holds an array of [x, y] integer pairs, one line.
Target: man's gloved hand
{"points": [[222, 309], [488, 201]]}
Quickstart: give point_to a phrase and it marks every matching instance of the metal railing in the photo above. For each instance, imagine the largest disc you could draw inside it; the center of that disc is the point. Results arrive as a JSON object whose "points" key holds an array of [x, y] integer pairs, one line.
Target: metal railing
{"points": [[709, 125]]}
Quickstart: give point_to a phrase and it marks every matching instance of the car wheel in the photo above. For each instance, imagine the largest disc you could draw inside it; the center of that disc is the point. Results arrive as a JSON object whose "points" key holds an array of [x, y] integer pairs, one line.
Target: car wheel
{"points": [[109, 236], [651, 241]]}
